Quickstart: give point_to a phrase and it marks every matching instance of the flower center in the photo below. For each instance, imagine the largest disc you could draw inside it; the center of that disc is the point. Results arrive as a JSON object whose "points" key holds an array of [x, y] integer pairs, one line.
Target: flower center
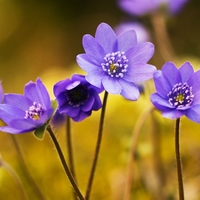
{"points": [[77, 96], [115, 64], [180, 95], [34, 112]]}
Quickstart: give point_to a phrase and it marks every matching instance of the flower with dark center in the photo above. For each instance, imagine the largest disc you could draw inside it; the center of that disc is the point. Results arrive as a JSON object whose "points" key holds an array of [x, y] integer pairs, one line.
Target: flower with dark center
{"points": [[177, 91], [76, 97], [28, 112], [116, 63]]}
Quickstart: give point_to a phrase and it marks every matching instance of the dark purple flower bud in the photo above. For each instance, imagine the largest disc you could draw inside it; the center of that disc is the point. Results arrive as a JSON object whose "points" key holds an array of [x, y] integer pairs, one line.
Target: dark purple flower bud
{"points": [[76, 97]]}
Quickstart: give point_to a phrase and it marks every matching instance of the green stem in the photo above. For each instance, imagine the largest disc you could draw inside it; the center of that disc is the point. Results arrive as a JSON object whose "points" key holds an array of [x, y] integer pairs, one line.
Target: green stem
{"points": [[178, 161], [28, 176], [14, 175], [64, 164], [98, 144], [70, 151]]}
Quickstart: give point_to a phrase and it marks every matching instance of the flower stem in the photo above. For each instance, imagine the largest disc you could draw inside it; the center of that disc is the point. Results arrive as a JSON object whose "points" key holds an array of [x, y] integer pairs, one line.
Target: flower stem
{"points": [[29, 177], [64, 164], [14, 175], [70, 151], [134, 141], [98, 144], [178, 161]]}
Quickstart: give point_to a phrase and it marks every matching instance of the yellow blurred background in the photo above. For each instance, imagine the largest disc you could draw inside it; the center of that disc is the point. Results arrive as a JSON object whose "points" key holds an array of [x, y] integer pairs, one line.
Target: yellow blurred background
{"points": [[42, 39]]}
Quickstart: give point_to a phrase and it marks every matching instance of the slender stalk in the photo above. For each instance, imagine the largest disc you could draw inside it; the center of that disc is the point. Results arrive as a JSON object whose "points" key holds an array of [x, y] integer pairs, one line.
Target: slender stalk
{"points": [[134, 141], [70, 150], [69, 147], [98, 144], [28, 176], [178, 161], [14, 175], [64, 164], [162, 37]]}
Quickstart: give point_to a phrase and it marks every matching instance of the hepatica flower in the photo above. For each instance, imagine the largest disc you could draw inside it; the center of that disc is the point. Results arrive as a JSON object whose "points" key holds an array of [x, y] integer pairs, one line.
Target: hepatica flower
{"points": [[76, 97], [28, 112], [116, 63], [142, 7], [177, 91]]}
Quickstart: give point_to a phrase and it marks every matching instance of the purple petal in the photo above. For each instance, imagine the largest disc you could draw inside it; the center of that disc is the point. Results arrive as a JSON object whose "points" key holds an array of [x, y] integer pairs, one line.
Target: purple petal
{"points": [[186, 70], [173, 114], [69, 110], [111, 85], [194, 113], [1, 93], [95, 78], [8, 129], [139, 73], [81, 116], [160, 103], [171, 73], [106, 37], [93, 49], [18, 101], [85, 63], [129, 90], [126, 40], [140, 53], [161, 84], [88, 104], [61, 86], [194, 82], [9, 113]]}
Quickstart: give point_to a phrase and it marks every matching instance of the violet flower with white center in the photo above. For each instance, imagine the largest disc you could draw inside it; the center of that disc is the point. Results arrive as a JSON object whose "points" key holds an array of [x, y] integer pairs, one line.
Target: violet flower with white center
{"points": [[177, 91], [28, 112], [116, 63], [76, 97], [143, 7]]}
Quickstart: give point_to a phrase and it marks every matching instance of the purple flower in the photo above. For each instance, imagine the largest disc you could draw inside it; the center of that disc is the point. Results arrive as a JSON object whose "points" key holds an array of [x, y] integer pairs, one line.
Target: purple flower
{"points": [[142, 7], [116, 63], [141, 32], [77, 98], [177, 91], [28, 112]]}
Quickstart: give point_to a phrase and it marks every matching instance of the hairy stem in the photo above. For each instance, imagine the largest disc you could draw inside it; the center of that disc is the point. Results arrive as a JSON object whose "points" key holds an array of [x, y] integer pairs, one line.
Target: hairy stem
{"points": [[98, 144], [178, 161], [64, 164], [70, 151]]}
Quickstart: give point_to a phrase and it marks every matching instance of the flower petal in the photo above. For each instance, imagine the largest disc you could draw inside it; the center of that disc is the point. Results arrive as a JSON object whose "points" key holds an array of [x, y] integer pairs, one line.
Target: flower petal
{"points": [[186, 71], [126, 40], [194, 113], [139, 73], [93, 49], [111, 85], [95, 78], [18, 101], [106, 37], [88, 104], [171, 73], [140, 53], [160, 103], [194, 82], [129, 90], [173, 114], [81, 116], [9, 113], [161, 84], [8, 129], [86, 64]]}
